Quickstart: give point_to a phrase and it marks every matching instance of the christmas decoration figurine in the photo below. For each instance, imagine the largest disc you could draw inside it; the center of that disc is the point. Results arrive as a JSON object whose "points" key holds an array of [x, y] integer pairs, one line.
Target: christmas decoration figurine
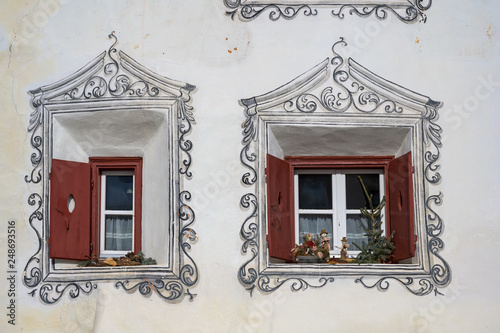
{"points": [[325, 241], [343, 249]]}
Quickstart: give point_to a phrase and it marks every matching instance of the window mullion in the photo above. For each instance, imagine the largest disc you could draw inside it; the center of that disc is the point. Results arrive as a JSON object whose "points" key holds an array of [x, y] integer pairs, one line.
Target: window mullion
{"points": [[341, 208]]}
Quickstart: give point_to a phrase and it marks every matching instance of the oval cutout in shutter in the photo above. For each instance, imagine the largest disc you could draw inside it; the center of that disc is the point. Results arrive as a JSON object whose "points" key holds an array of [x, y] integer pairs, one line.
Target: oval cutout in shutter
{"points": [[71, 203]]}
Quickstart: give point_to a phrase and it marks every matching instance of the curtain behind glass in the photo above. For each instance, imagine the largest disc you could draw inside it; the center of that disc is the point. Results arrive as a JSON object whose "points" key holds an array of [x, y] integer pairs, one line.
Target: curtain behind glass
{"points": [[118, 233]]}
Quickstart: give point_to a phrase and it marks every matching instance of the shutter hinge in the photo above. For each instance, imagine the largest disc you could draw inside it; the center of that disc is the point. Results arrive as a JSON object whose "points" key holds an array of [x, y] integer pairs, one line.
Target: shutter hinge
{"points": [[50, 175], [91, 184], [91, 248], [415, 237], [412, 169]]}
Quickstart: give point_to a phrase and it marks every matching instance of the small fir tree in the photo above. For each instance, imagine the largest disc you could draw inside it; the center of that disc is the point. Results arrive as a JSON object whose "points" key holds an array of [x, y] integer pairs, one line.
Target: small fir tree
{"points": [[379, 248]]}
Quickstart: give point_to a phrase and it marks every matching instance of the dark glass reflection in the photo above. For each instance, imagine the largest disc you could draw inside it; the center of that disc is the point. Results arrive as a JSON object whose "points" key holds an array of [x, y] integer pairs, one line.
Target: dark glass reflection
{"points": [[355, 196], [315, 191], [119, 192]]}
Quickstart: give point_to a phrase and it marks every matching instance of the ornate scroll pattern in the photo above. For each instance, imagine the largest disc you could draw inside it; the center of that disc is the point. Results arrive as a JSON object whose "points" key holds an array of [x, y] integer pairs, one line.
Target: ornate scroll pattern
{"points": [[36, 119], [407, 13], [249, 232], [120, 78], [355, 90], [185, 116], [50, 294], [169, 291], [32, 274], [189, 272], [247, 156], [276, 11], [346, 94], [432, 136], [112, 83], [426, 286], [265, 283]]}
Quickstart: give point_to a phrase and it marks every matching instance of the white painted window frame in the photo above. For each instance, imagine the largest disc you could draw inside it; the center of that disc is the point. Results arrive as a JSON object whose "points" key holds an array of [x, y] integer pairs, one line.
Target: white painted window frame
{"points": [[339, 209], [103, 212]]}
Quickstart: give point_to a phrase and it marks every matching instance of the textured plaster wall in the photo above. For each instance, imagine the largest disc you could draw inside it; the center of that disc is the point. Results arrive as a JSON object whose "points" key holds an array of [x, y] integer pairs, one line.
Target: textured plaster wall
{"points": [[454, 58]]}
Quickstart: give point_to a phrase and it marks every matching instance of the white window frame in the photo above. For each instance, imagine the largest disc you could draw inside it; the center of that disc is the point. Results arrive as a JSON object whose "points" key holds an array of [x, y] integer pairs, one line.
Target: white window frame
{"points": [[104, 212], [339, 209]]}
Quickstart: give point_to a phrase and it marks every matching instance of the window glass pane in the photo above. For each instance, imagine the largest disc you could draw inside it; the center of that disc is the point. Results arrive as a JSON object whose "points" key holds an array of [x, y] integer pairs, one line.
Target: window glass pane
{"points": [[315, 191], [355, 197], [118, 233], [355, 231], [314, 223], [119, 192]]}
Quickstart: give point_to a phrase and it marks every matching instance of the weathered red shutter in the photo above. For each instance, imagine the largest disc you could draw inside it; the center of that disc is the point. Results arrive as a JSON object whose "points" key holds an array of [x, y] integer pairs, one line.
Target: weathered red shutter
{"points": [[280, 217], [401, 206], [69, 236]]}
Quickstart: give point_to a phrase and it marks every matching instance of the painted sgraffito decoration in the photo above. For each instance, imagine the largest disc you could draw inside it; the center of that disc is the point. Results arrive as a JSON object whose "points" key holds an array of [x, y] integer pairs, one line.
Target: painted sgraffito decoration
{"points": [[407, 11], [340, 93], [110, 83]]}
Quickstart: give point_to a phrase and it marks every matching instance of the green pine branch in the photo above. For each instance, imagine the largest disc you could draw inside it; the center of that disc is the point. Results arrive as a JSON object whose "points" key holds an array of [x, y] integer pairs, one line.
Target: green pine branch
{"points": [[379, 248]]}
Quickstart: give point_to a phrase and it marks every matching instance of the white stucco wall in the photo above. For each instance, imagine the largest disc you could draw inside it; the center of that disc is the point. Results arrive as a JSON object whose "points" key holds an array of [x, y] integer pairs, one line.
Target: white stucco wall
{"points": [[453, 58]]}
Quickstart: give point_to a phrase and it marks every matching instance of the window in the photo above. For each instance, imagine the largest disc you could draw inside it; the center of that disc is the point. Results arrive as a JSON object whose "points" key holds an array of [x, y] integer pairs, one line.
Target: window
{"points": [[95, 207], [329, 199], [117, 212], [310, 194]]}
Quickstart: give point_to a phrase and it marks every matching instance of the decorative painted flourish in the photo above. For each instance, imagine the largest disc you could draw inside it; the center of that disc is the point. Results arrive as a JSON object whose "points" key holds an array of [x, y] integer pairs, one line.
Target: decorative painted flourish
{"points": [[408, 14], [170, 291], [432, 134], [249, 232], [188, 274], [276, 11], [32, 274], [345, 94], [185, 116], [248, 157], [426, 286], [112, 83], [50, 294], [36, 119]]}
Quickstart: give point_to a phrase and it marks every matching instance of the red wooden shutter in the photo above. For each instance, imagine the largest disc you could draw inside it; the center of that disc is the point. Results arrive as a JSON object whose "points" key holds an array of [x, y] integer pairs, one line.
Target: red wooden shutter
{"points": [[280, 217], [401, 206], [69, 236]]}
